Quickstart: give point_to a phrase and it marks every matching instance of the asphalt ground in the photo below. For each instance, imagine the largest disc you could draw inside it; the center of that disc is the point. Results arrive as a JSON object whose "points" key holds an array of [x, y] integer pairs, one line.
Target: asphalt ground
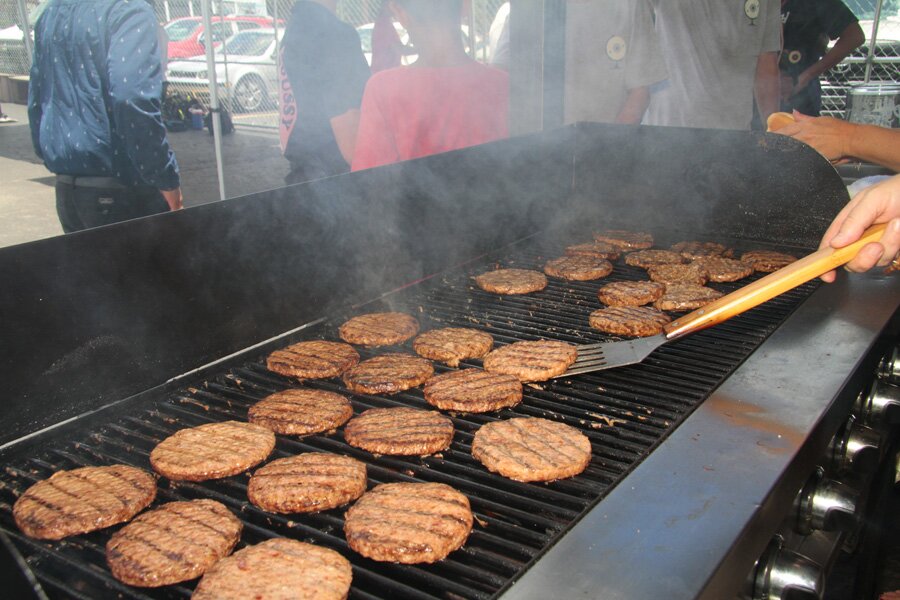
{"points": [[252, 162]]}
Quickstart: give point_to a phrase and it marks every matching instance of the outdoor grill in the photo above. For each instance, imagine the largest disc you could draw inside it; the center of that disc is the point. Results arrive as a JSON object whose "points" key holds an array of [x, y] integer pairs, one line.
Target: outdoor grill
{"points": [[113, 339]]}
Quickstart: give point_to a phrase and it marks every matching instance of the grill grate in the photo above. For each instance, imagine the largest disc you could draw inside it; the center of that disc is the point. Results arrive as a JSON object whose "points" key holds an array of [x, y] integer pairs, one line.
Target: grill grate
{"points": [[625, 412]]}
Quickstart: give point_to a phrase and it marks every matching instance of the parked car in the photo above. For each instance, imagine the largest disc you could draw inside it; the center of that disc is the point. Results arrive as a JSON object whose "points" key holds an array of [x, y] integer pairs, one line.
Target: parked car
{"points": [[249, 78], [187, 36]]}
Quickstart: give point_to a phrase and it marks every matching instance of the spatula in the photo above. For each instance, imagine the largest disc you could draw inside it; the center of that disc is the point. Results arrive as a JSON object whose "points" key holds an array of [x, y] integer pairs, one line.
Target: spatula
{"points": [[609, 355]]}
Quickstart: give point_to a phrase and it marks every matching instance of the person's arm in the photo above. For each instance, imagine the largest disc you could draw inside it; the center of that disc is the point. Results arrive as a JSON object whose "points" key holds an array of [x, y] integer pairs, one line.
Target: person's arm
{"points": [[345, 128], [850, 39], [877, 204], [835, 139], [635, 105], [767, 84], [173, 198]]}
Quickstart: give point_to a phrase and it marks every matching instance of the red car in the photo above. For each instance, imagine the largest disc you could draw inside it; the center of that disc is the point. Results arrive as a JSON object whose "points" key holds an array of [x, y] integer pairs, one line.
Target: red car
{"points": [[187, 36]]}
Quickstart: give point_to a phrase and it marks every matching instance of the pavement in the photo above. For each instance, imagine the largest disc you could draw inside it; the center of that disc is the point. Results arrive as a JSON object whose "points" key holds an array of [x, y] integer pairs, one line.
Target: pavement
{"points": [[251, 159]]}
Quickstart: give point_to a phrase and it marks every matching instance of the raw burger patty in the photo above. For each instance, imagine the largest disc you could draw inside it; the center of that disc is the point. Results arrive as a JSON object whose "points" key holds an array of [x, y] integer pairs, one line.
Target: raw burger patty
{"points": [[212, 451], [691, 273], [767, 261], [532, 361], [630, 293], [648, 258], [388, 374], [301, 412], [473, 390], [176, 542], [595, 249], [379, 329], [578, 268], [692, 249], [409, 522], [532, 449], [310, 482], [684, 296], [278, 569], [640, 321], [725, 269], [83, 500], [626, 240], [453, 344], [511, 281], [400, 431], [313, 360]]}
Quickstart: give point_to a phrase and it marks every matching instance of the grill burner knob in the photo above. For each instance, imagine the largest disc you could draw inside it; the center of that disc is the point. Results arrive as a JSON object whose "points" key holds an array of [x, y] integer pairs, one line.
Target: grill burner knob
{"points": [[889, 368], [786, 575], [826, 505], [881, 406], [855, 448]]}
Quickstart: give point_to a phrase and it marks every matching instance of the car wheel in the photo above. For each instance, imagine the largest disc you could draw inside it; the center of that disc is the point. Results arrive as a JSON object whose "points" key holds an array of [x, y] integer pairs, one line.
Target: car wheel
{"points": [[249, 94]]}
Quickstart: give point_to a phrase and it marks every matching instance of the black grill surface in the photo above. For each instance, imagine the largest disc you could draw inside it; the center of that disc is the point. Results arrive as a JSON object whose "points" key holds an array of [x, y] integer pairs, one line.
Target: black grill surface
{"points": [[625, 412]]}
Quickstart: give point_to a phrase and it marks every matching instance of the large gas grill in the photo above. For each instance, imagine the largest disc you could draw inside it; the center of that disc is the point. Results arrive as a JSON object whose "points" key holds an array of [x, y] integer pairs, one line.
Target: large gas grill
{"points": [[113, 339]]}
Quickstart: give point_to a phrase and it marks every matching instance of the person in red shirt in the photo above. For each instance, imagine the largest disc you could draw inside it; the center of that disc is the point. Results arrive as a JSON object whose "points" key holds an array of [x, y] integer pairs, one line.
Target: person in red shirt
{"points": [[442, 102]]}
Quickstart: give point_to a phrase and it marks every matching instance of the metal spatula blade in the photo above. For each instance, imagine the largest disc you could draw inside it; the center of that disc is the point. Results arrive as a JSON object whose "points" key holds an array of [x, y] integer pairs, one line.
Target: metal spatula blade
{"points": [[607, 355]]}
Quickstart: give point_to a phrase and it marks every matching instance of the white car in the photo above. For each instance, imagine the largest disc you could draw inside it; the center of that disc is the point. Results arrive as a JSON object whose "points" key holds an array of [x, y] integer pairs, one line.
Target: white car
{"points": [[246, 71]]}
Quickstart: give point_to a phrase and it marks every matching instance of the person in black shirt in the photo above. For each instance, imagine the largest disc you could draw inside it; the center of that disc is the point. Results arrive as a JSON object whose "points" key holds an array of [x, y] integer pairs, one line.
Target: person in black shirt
{"points": [[323, 75], [808, 26]]}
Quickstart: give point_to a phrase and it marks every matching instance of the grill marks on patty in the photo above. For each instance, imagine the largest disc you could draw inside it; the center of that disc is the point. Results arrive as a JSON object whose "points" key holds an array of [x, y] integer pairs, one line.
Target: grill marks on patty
{"points": [[693, 249], [310, 482], [388, 374], [316, 359], [301, 412], [685, 296], [212, 451], [532, 449], [400, 431], [379, 329], [725, 269], [83, 500], [453, 344], [511, 281], [630, 293], [278, 569], [473, 391], [649, 258], [532, 360], [595, 249], [626, 240], [176, 542], [578, 268], [767, 261], [629, 320], [409, 522], [694, 273]]}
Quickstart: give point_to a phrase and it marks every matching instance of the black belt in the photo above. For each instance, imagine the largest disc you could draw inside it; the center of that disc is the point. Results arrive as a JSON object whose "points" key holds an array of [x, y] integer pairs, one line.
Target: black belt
{"points": [[91, 182]]}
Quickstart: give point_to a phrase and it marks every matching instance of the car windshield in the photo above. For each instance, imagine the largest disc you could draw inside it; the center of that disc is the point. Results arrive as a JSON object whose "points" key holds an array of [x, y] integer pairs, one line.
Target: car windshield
{"points": [[249, 43], [181, 30]]}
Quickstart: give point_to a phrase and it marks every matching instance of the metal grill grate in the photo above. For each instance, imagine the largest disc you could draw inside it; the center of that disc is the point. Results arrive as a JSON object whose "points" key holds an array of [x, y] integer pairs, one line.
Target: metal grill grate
{"points": [[625, 412]]}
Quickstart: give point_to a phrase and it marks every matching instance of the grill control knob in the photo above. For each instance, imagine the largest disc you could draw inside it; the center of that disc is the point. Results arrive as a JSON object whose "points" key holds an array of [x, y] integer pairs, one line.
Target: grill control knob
{"points": [[855, 448], [881, 406], [889, 368], [826, 505], [783, 574]]}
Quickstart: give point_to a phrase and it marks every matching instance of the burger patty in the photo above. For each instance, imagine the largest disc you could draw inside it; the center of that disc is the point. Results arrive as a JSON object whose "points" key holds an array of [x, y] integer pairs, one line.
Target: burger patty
{"points": [[453, 344], [278, 569], [626, 240], [83, 500], [725, 269], [532, 361], [595, 249], [532, 449], [317, 359], [767, 261], [649, 258], [693, 249], [379, 329], [690, 273], [685, 296], [409, 522], [388, 374], [640, 321], [630, 293], [176, 542], [400, 431], [212, 451], [473, 391], [310, 482], [578, 268], [511, 281], [301, 412]]}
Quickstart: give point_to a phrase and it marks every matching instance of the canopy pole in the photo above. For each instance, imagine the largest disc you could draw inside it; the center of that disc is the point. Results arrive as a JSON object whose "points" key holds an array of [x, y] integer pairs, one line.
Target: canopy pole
{"points": [[213, 96]]}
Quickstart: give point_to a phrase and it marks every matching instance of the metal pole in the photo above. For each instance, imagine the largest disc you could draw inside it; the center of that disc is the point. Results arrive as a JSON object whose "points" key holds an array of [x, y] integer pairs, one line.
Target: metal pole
{"points": [[166, 9], [26, 29], [213, 96], [277, 53], [870, 56]]}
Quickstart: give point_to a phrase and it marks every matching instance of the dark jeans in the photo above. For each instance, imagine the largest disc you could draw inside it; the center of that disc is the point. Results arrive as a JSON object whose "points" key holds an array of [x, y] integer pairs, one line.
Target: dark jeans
{"points": [[85, 202]]}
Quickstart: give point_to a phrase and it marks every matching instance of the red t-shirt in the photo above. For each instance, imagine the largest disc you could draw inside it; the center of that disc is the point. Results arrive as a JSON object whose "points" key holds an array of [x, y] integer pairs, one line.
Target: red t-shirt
{"points": [[409, 112]]}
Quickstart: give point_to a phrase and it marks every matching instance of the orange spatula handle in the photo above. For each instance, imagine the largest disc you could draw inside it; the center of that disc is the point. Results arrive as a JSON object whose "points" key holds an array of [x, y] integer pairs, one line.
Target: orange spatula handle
{"points": [[782, 280]]}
